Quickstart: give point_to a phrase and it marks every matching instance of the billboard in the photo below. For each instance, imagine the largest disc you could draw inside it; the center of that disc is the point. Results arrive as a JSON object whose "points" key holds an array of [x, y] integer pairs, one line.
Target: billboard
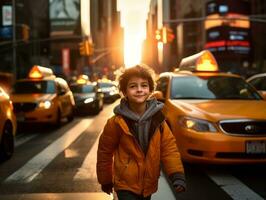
{"points": [[64, 16], [6, 15]]}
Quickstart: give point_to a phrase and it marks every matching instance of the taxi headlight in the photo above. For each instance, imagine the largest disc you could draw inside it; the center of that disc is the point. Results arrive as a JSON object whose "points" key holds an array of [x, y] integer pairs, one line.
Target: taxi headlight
{"points": [[45, 104], [112, 93], [198, 125], [88, 100]]}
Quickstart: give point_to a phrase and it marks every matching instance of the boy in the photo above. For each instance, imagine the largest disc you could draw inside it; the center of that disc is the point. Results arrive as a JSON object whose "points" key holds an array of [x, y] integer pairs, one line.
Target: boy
{"points": [[135, 140]]}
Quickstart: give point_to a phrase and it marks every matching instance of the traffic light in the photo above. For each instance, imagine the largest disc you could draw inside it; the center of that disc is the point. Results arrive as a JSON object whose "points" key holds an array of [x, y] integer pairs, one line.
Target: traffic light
{"points": [[25, 32], [91, 48], [158, 35], [168, 35], [82, 48], [86, 48], [164, 35]]}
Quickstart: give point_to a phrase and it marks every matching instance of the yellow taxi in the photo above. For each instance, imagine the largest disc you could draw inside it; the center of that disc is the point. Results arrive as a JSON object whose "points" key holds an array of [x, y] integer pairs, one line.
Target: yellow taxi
{"points": [[42, 97], [259, 82], [215, 117], [88, 98], [8, 126]]}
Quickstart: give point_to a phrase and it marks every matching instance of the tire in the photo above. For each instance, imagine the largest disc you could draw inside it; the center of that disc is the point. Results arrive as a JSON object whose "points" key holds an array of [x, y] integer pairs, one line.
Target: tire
{"points": [[7, 142], [58, 119], [70, 117], [97, 109]]}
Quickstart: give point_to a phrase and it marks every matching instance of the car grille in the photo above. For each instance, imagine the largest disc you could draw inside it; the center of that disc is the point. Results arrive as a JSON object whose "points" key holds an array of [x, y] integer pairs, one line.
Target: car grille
{"points": [[244, 127], [24, 107]]}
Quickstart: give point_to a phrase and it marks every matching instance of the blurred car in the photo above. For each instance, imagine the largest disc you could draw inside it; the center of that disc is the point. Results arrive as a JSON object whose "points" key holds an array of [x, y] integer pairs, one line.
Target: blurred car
{"points": [[215, 117], [259, 82], [42, 97], [109, 90], [8, 126], [87, 97]]}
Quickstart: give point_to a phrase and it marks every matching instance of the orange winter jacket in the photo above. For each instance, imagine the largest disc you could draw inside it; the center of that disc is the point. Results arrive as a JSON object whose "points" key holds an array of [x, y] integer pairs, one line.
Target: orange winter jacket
{"points": [[121, 161]]}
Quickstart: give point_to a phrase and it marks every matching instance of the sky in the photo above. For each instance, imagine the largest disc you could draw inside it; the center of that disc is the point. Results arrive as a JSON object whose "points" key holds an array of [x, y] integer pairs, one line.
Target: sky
{"points": [[133, 20]]}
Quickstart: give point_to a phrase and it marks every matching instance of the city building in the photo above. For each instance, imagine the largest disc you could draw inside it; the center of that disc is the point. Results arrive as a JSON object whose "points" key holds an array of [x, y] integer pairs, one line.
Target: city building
{"points": [[232, 30], [107, 36]]}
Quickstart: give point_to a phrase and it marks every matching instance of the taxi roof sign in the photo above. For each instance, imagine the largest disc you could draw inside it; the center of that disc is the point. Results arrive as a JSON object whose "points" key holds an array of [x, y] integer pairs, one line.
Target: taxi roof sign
{"points": [[82, 79], [203, 61], [38, 72]]}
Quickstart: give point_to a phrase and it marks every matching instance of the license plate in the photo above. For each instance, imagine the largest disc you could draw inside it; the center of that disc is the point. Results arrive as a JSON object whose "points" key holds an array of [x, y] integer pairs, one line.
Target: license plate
{"points": [[253, 147], [20, 117]]}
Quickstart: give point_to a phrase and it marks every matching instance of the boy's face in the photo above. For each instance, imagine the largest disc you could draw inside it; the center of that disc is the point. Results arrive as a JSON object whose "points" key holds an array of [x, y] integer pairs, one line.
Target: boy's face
{"points": [[138, 90]]}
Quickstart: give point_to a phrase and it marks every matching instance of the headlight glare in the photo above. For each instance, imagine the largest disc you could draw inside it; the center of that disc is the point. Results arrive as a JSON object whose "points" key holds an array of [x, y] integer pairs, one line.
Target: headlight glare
{"points": [[89, 100], [198, 125], [45, 104]]}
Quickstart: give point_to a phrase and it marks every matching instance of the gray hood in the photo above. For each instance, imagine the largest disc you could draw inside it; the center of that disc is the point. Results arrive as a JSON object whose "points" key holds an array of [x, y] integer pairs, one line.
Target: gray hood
{"points": [[139, 125], [153, 106]]}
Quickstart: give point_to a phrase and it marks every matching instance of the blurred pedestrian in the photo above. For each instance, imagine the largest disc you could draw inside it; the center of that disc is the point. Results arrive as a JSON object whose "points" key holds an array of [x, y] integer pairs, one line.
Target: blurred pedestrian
{"points": [[136, 140]]}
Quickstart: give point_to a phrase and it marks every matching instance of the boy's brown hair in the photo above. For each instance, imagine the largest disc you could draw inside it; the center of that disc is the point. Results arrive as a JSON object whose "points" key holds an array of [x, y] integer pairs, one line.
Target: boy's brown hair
{"points": [[140, 70]]}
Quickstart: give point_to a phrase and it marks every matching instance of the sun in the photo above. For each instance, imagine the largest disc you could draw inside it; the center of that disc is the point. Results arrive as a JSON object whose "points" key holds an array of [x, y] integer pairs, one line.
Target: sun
{"points": [[132, 49], [134, 29]]}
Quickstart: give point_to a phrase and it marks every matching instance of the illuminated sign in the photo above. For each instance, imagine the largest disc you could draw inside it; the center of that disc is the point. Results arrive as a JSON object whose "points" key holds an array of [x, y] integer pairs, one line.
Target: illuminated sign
{"points": [[64, 16], [222, 7], [7, 15], [230, 19]]}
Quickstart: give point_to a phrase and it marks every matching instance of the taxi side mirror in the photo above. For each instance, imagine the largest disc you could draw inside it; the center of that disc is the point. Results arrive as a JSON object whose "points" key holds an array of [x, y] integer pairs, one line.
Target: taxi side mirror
{"points": [[263, 94], [158, 95], [61, 92]]}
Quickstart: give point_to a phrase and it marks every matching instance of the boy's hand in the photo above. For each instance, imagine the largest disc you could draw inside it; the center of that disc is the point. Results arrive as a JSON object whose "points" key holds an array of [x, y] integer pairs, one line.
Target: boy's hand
{"points": [[107, 188], [179, 188]]}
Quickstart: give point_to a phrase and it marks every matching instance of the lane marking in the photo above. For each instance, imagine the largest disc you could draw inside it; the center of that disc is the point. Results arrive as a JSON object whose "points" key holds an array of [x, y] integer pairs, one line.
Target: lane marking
{"points": [[233, 187], [88, 167], [23, 139], [34, 166]]}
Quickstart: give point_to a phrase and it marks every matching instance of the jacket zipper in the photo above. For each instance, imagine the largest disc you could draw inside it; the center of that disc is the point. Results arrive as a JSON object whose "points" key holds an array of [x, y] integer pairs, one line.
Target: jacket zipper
{"points": [[145, 158]]}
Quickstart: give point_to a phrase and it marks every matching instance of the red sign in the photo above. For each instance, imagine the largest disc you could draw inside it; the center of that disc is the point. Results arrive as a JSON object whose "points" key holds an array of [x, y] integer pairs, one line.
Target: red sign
{"points": [[66, 60]]}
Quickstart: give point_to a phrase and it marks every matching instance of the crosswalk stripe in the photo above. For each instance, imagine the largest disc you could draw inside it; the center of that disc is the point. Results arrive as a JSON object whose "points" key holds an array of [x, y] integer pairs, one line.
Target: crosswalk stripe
{"points": [[34, 166], [233, 187]]}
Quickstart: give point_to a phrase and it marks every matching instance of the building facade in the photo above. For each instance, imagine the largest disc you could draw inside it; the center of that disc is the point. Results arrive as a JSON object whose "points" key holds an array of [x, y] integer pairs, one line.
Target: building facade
{"points": [[232, 30]]}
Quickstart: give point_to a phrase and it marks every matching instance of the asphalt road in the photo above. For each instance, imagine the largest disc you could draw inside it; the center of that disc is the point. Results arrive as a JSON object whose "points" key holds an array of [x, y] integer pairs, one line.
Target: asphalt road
{"points": [[60, 163]]}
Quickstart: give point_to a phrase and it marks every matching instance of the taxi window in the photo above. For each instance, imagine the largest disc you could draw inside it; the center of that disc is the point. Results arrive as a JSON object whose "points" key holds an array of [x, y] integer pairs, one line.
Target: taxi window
{"points": [[82, 88], [215, 87], [29, 87], [103, 85], [259, 83]]}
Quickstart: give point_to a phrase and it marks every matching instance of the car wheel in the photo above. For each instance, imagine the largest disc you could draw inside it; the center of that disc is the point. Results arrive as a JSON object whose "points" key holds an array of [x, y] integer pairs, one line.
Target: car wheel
{"points": [[7, 142], [70, 117], [97, 108], [58, 119]]}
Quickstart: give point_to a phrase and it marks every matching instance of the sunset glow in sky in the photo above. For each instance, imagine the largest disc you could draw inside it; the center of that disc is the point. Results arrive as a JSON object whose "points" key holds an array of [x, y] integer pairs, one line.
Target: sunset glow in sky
{"points": [[133, 20]]}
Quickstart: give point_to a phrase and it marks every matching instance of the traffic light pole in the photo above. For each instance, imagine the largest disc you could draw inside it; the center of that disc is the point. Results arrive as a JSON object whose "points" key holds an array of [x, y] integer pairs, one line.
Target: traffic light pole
{"points": [[14, 48]]}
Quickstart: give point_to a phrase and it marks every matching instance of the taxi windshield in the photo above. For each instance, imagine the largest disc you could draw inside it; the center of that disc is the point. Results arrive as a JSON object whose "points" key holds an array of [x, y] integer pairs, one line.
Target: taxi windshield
{"points": [[105, 85], [82, 88], [215, 87], [37, 87]]}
